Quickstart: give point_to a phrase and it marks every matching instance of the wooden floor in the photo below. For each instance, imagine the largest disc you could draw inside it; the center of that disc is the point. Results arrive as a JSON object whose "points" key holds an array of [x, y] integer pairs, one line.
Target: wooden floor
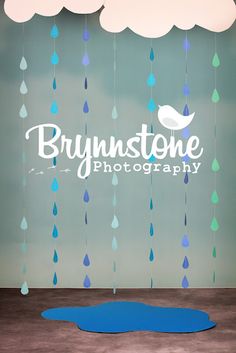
{"points": [[22, 330]]}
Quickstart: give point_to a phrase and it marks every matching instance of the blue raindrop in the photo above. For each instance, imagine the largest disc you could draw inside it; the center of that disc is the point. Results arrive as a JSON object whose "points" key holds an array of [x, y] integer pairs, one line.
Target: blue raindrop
{"points": [[86, 218], [185, 241], [85, 59], [86, 35], [54, 84], [54, 161], [87, 282], [54, 185], [186, 178], [151, 255], [54, 281], [54, 32], [185, 263], [55, 257], [186, 90], [55, 232], [185, 283], [85, 107], [151, 105], [185, 219], [86, 261], [54, 210], [152, 56], [85, 83], [54, 58], [186, 44], [151, 81], [186, 158], [54, 108], [151, 204], [152, 159], [186, 133], [186, 110], [86, 196], [151, 231]]}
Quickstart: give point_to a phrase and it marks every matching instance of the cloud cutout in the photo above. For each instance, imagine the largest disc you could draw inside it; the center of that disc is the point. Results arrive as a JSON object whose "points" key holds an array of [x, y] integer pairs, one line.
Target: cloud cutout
{"points": [[148, 18]]}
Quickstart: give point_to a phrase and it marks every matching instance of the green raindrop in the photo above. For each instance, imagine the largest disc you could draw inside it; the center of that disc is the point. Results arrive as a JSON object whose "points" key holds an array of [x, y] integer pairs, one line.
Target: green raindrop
{"points": [[214, 252], [215, 96], [215, 167], [214, 197], [214, 224], [216, 61], [214, 277]]}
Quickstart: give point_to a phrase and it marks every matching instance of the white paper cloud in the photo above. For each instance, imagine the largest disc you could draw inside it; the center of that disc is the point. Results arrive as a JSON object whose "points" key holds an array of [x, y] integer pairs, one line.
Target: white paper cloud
{"points": [[148, 18]]}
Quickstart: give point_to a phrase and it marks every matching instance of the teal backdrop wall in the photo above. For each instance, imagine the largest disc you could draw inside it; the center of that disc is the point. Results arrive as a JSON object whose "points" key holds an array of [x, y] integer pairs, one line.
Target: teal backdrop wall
{"points": [[133, 268]]}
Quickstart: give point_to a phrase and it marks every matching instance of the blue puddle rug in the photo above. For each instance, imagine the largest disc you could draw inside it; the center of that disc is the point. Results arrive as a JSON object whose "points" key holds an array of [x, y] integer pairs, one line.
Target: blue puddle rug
{"points": [[118, 317]]}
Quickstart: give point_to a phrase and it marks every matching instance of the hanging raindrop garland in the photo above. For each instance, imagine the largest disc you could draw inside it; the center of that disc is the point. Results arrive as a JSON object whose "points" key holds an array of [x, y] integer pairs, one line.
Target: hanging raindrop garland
{"points": [[86, 198], [23, 114], [54, 186], [185, 135], [215, 167], [115, 221], [151, 81]]}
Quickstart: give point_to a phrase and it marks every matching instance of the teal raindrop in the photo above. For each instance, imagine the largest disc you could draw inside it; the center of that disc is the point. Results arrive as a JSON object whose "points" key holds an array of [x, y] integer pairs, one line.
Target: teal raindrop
{"points": [[151, 204], [152, 159], [23, 64], [87, 282], [24, 224], [86, 261], [151, 231], [114, 200], [114, 244], [54, 58], [151, 256], [55, 231], [115, 222], [54, 281], [54, 84], [23, 247], [24, 288], [55, 257], [54, 161], [151, 55], [54, 185], [54, 32], [23, 112], [185, 263]]}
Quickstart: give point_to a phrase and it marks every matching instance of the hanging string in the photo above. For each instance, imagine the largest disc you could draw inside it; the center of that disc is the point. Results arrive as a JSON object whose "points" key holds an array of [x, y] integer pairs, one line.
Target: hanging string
{"points": [[151, 81], [215, 164], [86, 197], [54, 186], [23, 114], [115, 221], [185, 135]]}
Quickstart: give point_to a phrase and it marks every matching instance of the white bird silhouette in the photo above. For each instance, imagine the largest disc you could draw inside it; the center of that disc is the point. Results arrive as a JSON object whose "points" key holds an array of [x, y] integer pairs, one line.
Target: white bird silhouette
{"points": [[171, 119]]}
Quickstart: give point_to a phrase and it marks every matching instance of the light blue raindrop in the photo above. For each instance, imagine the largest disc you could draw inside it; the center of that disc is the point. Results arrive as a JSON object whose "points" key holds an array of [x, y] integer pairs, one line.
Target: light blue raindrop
{"points": [[86, 35], [23, 88], [185, 241], [54, 58], [54, 185], [186, 158], [87, 282], [151, 81], [186, 90], [55, 231], [23, 64], [115, 222], [152, 159], [55, 257], [186, 133], [24, 288], [23, 224], [85, 107], [114, 179], [23, 112], [85, 59], [114, 244], [54, 32], [114, 200], [54, 108]]}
